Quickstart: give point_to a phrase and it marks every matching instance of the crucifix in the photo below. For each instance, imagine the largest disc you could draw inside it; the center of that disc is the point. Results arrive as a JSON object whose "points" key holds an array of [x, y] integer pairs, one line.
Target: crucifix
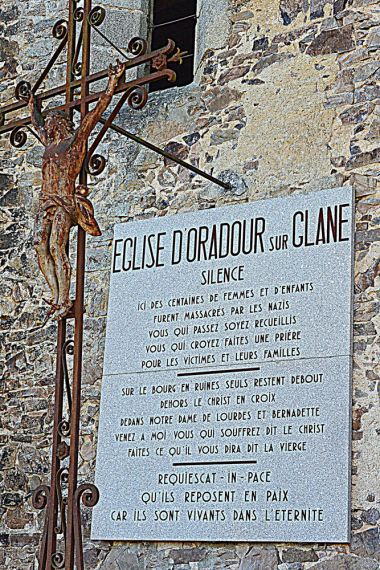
{"points": [[67, 161]]}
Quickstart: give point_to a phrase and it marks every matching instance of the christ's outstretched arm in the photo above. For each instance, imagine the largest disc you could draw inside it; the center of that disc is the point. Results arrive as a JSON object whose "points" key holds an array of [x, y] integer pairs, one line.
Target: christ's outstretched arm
{"points": [[93, 116]]}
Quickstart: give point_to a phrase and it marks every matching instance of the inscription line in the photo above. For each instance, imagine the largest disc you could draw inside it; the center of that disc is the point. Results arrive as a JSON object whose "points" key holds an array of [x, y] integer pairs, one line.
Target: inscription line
{"points": [[263, 362], [192, 463]]}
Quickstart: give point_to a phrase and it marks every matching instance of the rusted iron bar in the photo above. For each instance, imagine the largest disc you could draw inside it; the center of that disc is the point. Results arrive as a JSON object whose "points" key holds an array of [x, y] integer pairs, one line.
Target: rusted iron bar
{"points": [[137, 98], [104, 129], [72, 540], [91, 98], [129, 64], [77, 50], [50, 557], [68, 349], [119, 51], [24, 88], [34, 134], [52, 61], [51, 544], [71, 38], [166, 154]]}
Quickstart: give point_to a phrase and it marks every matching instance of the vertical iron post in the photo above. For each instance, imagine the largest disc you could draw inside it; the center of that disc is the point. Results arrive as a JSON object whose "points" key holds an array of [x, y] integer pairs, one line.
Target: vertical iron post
{"points": [[52, 506], [73, 540]]}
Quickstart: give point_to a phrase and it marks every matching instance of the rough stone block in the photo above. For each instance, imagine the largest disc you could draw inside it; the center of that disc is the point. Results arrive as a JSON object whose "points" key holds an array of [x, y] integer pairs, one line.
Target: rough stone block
{"points": [[289, 10], [347, 562], [367, 543], [121, 559], [297, 555], [187, 555], [338, 40], [366, 71], [260, 559]]}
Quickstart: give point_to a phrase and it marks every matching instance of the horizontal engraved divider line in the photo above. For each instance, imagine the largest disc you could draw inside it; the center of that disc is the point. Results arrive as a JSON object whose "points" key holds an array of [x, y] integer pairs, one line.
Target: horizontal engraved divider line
{"points": [[194, 463], [265, 362], [228, 371]]}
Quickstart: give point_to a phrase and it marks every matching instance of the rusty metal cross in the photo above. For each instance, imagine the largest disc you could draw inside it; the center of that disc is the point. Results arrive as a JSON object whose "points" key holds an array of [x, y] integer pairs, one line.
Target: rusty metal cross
{"points": [[61, 543]]}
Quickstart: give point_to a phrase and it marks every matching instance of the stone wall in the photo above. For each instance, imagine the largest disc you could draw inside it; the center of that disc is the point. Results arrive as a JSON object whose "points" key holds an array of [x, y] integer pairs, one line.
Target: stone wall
{"points": [[289, 104]]}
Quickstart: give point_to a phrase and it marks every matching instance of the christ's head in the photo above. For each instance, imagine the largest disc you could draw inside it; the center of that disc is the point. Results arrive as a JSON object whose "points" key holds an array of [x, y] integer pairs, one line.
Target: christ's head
{"points": [[58, 126]]}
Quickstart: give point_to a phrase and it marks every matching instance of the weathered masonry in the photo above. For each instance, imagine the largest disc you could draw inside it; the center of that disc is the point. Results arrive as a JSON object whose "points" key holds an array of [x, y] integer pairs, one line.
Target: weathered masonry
{"points": [[284, 101]]}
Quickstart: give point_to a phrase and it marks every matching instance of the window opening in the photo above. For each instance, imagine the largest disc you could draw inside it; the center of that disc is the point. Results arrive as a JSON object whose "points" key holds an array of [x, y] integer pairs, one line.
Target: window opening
{"points": [[175, 19]]}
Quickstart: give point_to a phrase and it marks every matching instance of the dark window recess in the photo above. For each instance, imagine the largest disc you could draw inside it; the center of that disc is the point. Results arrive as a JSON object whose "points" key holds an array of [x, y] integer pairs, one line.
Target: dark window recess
{"points": [[175, 20]]}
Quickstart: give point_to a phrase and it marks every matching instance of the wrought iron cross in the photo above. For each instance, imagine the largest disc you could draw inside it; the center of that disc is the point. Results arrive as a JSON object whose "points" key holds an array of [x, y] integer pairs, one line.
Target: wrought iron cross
{"points": [[61, 543]]}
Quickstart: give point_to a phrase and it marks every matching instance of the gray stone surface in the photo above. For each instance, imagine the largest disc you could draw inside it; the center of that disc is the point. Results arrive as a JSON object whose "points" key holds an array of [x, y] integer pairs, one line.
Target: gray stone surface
{"points": [[175, 388], [307, 304], [258, 559], [212, 27], [347, 562], [122, 27]]}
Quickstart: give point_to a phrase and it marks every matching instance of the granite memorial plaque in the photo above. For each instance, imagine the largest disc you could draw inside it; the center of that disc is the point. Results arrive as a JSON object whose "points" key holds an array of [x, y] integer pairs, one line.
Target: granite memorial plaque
{"points": [[225, 406]]}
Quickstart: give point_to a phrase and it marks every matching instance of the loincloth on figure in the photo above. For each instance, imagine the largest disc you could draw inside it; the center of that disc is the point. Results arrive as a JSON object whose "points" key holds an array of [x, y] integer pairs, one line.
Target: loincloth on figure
{"points": [[78, 207]]}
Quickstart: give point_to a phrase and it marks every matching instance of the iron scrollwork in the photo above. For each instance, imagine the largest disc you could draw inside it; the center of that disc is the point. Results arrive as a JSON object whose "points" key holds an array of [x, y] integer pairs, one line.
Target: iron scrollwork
{"points": [[96, 16], [23, 90], [40, 497], [60, 30], [89, 494], [64, 428], [18, 137], [78, 14], [137, 98], [137, 46], [95, 164], [62, 479], [77, 69], [58, 561], [68, 348]]}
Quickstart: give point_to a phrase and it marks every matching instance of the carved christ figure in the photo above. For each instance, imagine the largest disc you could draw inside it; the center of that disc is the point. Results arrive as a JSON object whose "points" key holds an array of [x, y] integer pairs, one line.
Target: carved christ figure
{"points": [[61, 203]]}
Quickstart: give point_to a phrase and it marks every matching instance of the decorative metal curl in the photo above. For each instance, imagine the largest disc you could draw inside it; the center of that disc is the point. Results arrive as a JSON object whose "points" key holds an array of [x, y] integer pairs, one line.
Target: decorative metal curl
{"points": [[138, 97], [78, 14], [96, 16], [77, 69], [40, 497], [68, 347], [18, 137], [64, 428], [58, 560], [89, 494], [95, 164], [62, 478], [137, 46], [23, 90], [63, 474], [60, 30]]}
